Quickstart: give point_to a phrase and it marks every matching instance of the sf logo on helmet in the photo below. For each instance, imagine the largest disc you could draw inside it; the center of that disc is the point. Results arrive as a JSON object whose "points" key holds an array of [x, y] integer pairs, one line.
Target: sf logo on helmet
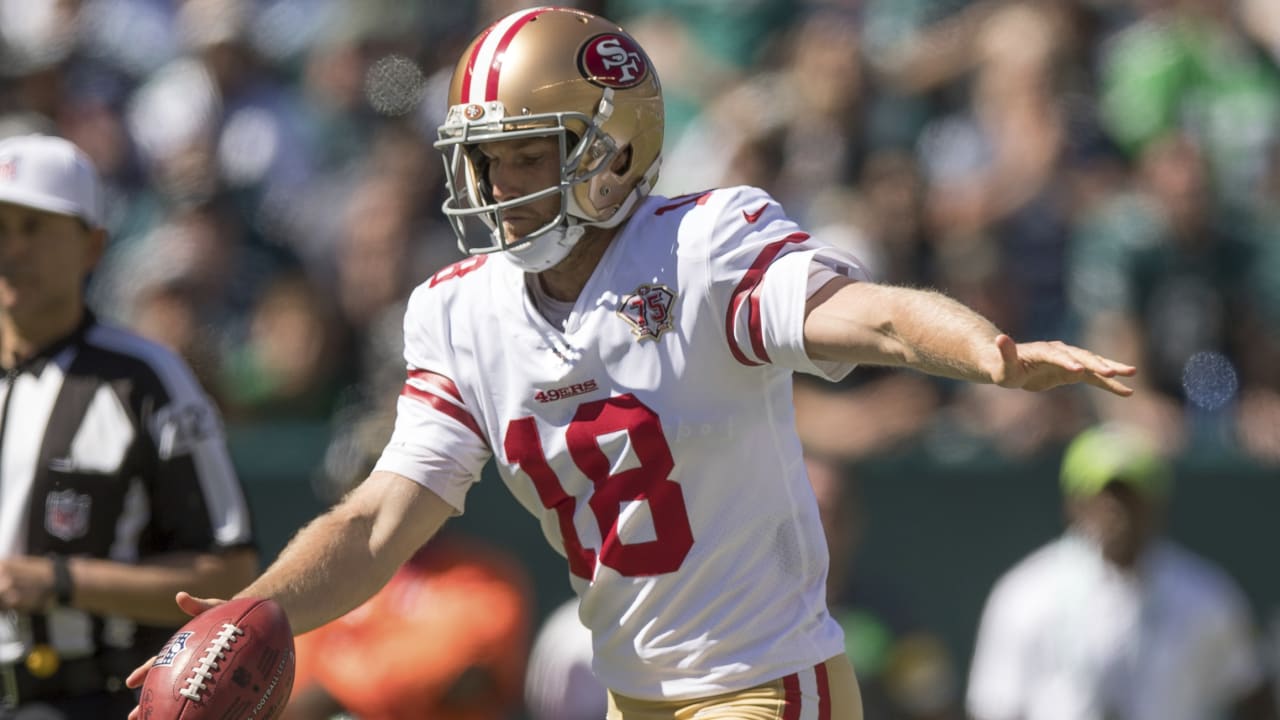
{"points": [[614, 61]]}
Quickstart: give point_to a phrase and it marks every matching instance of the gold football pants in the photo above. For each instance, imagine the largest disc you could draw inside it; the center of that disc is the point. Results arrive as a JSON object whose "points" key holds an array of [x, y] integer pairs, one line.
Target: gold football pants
{"points": [[828, 691]]}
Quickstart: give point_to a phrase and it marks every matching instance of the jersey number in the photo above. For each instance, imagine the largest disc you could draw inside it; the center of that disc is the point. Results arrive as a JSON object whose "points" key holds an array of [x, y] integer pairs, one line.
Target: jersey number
{"points": [[649, 482], [458, 269]]}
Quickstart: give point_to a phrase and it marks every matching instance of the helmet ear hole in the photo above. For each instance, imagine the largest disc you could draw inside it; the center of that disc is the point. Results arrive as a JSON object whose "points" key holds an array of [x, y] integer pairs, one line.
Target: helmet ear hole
{"points": [[622, 163]]}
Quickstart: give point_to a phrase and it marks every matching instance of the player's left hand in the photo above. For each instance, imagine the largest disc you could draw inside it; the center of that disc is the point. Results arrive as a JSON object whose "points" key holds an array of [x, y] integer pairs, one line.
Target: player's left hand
{"points": [[192, 606], [1043, 365]]}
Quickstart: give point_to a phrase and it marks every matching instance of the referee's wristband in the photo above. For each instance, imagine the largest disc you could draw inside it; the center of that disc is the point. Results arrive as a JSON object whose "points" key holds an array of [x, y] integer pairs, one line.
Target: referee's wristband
{"points": [[62, 585]]}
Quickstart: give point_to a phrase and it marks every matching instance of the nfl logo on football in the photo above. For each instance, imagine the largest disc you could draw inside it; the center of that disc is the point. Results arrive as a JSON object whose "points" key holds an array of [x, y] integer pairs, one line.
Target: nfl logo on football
{"points": [[170, 651]]}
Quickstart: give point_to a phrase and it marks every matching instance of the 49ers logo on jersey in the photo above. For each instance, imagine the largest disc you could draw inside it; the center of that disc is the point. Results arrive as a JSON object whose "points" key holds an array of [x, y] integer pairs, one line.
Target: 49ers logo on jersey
{"points": [[614, 61], [568, 391], [648, 311]]}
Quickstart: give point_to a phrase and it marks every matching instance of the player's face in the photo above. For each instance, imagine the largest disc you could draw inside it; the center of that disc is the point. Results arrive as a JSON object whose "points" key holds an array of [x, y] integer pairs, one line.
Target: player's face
{"points": [[44, 259], [520, 167]]}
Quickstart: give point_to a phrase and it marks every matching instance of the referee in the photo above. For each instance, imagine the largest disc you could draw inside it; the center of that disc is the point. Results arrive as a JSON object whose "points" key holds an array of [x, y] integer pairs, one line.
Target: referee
{"points": [[116, 488]]}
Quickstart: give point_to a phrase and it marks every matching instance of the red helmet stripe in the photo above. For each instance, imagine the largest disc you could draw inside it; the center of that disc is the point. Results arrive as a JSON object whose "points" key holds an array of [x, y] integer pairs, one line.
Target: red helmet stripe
{"points": [[747, 292], [485, 62], [495, 67], [471, 65]]}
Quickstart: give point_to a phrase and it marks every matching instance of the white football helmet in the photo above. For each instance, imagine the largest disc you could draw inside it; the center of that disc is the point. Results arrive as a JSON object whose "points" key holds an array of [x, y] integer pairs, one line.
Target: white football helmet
{"points": [[551, 72]]}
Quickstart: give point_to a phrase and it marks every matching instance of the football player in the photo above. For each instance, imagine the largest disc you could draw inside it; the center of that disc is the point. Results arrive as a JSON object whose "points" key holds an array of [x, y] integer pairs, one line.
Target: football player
{"points": [[626, 361]]}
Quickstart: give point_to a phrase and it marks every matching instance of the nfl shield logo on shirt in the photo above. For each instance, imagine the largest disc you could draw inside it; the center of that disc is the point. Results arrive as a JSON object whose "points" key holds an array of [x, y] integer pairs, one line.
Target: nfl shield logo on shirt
{"points": [[66, 514], [648, 311]]}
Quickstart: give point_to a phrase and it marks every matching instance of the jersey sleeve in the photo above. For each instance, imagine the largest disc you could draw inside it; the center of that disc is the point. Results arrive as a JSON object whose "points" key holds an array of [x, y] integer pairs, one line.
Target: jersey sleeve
{"points": [[197, 501], [438, 441], [759, 263]]}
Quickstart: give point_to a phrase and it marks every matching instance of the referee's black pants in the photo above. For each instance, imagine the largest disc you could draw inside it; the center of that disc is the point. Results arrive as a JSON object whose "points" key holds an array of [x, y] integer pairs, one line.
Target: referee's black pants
{"points": [[102, 705]]}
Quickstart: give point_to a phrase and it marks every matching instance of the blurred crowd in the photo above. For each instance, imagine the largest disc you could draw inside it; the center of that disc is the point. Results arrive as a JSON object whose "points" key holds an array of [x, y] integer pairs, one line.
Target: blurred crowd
{"points": [[1103, 171]]}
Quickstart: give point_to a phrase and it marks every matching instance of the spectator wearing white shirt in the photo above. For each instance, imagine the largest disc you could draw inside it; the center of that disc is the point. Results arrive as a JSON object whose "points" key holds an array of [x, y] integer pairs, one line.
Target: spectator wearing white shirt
{"points": [[1113, 621]]}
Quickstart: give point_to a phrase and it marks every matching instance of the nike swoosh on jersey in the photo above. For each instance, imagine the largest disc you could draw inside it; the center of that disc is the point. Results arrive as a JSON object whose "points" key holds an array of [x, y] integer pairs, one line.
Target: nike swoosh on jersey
{"points": [[754, 216]]}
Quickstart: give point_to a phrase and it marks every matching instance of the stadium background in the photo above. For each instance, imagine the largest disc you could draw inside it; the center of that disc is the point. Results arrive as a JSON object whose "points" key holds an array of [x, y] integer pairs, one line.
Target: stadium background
{"points": [[274, 198]]}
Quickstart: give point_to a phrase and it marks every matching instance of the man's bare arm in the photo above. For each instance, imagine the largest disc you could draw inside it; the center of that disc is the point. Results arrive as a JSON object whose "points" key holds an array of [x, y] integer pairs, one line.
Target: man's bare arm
{"points": [[887, 325], [345, 555]]}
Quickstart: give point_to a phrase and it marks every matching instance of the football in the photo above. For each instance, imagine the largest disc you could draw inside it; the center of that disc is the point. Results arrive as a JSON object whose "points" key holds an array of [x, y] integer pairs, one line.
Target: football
{"points": [[232, 661]]}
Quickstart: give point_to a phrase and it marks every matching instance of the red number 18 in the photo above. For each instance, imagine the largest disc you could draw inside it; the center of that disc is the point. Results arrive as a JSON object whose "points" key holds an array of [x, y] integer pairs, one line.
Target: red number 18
{"points": [[649, 481]]}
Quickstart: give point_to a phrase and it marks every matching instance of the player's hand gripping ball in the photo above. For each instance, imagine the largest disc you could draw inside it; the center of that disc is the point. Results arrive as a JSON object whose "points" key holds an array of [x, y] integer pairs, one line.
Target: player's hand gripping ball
{"points": [[233, 661]]}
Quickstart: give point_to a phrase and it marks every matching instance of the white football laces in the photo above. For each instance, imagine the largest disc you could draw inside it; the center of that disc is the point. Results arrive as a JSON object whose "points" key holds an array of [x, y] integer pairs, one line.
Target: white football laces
{"points": [[204, 669]]}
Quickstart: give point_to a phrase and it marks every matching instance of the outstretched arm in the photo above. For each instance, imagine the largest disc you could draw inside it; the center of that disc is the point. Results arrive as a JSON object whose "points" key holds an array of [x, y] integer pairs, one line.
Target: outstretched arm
{"points": [[876, 324], [348, 553]]}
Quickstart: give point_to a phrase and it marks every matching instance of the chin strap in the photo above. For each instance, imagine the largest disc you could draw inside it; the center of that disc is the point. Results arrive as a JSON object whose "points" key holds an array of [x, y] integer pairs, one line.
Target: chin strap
{"points": [[548, 249]]}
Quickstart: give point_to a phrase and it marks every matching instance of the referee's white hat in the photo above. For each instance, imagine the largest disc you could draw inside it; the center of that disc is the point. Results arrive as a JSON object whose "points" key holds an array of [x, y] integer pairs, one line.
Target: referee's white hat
{"points": [[51, 174]]}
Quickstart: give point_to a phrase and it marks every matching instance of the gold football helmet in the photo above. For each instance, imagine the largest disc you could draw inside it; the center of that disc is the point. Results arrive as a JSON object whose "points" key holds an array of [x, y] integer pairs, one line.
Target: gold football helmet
{"points": [[552, 72]]}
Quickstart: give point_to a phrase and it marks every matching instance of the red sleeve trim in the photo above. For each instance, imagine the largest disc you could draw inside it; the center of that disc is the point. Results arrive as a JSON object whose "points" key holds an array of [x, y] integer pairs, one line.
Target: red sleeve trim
{"points": [[434, 401], [437, 381], [748, 291]]}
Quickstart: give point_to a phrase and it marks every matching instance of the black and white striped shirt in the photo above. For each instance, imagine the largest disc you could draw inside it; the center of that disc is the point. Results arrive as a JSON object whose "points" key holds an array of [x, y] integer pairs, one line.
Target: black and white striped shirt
{"points": [[110, 449]]}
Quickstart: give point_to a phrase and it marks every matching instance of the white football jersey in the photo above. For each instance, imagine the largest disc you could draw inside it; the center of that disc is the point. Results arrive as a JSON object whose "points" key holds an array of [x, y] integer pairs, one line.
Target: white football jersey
{"points": [[653, 437]]}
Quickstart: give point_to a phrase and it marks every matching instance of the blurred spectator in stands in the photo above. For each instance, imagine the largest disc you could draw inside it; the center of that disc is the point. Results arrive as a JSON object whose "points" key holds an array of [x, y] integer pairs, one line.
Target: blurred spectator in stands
{"points": [[1114, 620], [559, 684], [1260, 19], [904, 671], [1165, 278], [389, 238], [374, 268], [167, 313], [726, 41], [205, 247], [1001, 178], [215, 120], [1192, 66], [823, 89], [995, 171], [795, 130], [899, 35], [361, 91], [289, 365], [733, 35], [36, 38], [890, 210], [1258, 415]]}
